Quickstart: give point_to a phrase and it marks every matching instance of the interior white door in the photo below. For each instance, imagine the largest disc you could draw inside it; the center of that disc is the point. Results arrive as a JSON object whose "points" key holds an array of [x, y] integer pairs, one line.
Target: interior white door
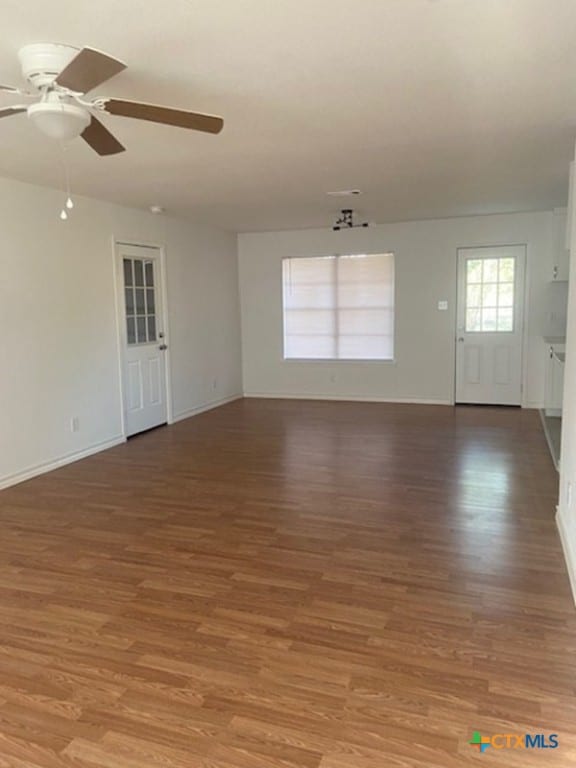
{"points": [[143, 338], [490, 325]]}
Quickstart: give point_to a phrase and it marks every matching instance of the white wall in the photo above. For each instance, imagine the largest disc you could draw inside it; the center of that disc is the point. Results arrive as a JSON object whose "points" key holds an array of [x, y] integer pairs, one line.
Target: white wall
{"points": [[567, 495], [425, 273], [59, 339]]}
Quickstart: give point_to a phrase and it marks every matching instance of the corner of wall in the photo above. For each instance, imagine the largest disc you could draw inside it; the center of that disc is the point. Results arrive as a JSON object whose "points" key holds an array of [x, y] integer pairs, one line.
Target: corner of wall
{"points": [[568, 545]]}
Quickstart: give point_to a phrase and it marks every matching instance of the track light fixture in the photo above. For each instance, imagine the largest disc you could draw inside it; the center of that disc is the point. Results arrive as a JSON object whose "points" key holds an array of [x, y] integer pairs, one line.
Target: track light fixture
{"points": [[346, 220]]}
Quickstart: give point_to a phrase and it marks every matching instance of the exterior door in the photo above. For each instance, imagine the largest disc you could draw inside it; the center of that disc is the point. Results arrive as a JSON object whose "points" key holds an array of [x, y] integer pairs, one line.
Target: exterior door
{"points": [[143, 338], [490, 325]]}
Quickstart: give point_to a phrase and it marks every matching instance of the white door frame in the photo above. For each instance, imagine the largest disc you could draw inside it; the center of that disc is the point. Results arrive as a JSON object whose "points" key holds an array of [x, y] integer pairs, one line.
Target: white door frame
{"points": [[121, 320], [526, 286]]}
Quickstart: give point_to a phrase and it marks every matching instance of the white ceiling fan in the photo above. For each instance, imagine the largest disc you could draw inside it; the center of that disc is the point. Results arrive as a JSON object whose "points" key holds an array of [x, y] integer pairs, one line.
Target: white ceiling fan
{"points": [[61, 75]]}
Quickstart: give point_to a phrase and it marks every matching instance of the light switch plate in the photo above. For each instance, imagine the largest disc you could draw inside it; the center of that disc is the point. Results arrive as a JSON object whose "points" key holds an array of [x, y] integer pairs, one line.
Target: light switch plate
{"points": [[443, 305]]}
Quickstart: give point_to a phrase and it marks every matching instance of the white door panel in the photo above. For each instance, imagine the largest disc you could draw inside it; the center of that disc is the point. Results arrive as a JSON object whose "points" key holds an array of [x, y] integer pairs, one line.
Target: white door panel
{"points": [[490, 325], [143, 339]]}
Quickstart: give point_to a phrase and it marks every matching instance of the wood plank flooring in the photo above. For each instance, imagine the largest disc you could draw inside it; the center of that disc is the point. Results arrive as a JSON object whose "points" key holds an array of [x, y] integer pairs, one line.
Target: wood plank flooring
{"points": [[290, 584]]}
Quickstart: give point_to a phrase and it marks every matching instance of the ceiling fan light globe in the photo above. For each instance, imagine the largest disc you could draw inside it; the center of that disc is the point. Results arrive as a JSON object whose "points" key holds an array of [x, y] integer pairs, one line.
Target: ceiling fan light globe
{"points": [[59, 121]]}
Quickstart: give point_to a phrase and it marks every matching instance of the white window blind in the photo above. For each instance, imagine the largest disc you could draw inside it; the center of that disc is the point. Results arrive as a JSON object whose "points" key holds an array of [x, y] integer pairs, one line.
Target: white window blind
{"points": [[339, 307]]}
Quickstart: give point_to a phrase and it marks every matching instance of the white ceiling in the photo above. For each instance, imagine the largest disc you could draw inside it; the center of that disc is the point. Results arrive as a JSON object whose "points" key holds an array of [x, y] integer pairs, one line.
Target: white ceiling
{"points": [[432, 107]]}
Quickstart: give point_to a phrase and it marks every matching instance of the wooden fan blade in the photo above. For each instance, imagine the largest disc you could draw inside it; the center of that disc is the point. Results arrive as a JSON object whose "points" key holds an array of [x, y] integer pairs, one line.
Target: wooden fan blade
{"points": [[165, 115], [7, 111], [88, 69], [100, 139]]}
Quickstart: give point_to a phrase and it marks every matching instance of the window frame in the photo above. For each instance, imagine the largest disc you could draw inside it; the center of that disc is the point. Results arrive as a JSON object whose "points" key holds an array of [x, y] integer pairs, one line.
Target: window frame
{"points": [[340, 360]]}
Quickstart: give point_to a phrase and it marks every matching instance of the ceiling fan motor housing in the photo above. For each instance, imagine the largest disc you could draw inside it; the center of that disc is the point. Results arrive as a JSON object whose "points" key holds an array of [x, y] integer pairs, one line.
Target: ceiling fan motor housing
{"points": [[42, 62]]}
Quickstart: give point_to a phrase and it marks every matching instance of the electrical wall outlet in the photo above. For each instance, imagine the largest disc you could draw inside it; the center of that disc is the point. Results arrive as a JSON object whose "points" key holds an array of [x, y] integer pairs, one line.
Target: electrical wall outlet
{"points": [[569, 494], [74, 424], [443, 306]]}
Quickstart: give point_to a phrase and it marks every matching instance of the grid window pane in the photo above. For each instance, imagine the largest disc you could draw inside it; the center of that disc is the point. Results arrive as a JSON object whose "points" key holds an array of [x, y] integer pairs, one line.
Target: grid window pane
{"points": [[506, 270], [140, 305], [489, 319], [490, 295], [141, 330], [474, 271], [506, 295], [150, 301], [474, 296], [129, 293], [149, 273], [131, 330], [339, 307], [151, 328], [128, 272], [505, 319], [138, 272], [140, 301], [474, 319], [489, 270]]}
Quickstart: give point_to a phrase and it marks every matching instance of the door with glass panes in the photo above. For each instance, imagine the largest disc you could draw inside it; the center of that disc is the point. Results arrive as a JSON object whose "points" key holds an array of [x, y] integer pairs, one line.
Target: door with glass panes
{"points": [[144, 348], [489, 334]]}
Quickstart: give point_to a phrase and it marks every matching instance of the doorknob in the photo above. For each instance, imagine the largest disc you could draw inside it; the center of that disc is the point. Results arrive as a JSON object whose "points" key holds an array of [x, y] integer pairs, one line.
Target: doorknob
{"points": [[163, 347], [460, 338]]}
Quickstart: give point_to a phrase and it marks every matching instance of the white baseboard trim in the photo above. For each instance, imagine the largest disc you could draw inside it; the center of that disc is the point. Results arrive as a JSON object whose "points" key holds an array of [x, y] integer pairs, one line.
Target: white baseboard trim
{"points": [[41, 469], [569, 553], [345, 398], [205, 407], [532, 406]]}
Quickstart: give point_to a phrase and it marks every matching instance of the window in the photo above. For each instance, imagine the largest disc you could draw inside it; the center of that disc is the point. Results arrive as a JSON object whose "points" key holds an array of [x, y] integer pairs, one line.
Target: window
{"points": [[490, 294], [139, 293], [339, 307]]}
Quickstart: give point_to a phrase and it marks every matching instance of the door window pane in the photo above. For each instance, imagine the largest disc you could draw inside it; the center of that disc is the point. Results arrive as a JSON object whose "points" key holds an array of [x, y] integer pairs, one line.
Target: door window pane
{"points": [[489, 271], [506, 270], [489, 319], [141, 330], [474, 296], [138, 272], [140, 301], [474, 319], [505, 319], [474, 271], [150, 301], [129, 292], [506, 294], [140, 305], [490, 295], [131, 330], [128, 272]]}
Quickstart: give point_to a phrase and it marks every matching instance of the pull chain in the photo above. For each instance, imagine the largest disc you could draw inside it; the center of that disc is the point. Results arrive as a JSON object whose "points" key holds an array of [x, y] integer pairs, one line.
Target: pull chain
{"points": [[69, 203]]}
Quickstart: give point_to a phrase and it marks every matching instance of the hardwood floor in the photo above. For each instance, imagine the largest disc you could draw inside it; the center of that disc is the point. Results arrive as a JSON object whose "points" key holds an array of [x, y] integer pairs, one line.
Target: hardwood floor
{"points": [[290, 584]]}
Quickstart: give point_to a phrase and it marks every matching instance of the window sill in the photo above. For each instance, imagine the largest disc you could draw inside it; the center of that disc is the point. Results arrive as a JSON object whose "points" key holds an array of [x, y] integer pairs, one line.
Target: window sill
{"points": [[332, 361]]}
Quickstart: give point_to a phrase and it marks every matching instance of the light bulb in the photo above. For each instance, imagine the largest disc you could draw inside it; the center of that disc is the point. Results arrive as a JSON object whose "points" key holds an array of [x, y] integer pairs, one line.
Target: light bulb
{"points": [[69, 203], [63, 214]]}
